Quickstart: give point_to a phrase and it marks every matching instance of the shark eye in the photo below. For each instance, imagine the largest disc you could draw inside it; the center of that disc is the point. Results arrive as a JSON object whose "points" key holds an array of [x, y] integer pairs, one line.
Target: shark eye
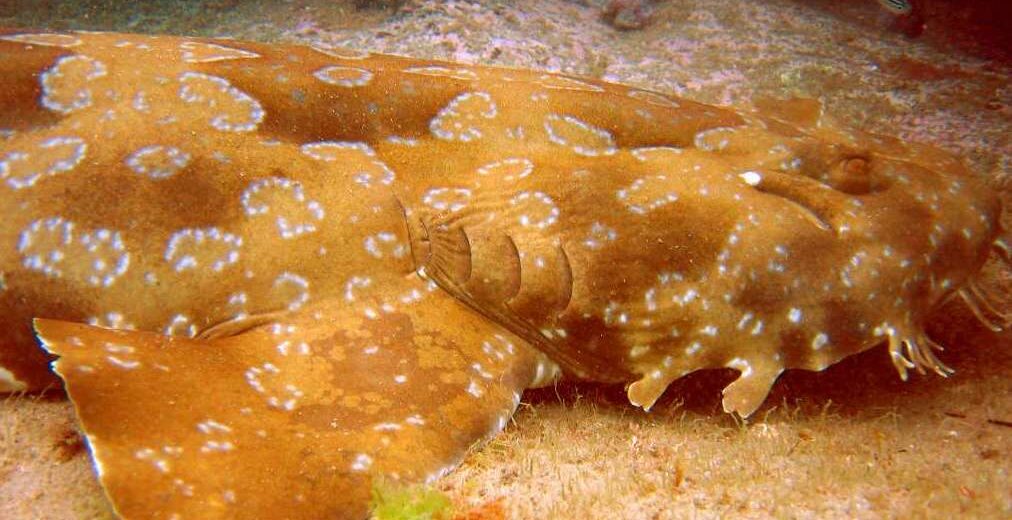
{"points": [[852, 175]]}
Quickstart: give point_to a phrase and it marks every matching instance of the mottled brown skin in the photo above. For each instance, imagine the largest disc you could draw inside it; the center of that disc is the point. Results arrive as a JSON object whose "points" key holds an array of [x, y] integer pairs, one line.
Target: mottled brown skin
{"points": [[351, 265]]}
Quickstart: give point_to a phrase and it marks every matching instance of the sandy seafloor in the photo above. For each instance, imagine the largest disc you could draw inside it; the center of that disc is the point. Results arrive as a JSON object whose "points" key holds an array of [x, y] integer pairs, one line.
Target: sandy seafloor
{"points": [[850, 442]]}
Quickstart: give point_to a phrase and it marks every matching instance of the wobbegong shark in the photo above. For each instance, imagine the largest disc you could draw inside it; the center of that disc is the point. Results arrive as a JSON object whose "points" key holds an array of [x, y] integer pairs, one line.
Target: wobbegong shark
{"points": [[267, 275]]}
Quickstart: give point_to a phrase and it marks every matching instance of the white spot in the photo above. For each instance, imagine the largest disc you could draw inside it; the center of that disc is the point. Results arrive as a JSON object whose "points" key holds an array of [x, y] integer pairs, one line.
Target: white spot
{"points": [[461, 119], [296, 282], [231, 109], [656, 153], [161, 463], [402, 141], [447, 199], [475, 389], [211, 426], [819, 341], [583, 138], [794, 315], [46, 244], [751, 178], [211, 247], [714, 139], [127, 364], [445, 72], [639, 351], [649, 298], [296, 214], [742, 366], [598, 235], [348, 77], [265, 379], [647, 194], [355, 282], [709, 330], [53, 156], [508, 169], [180, 325], [334, 150], [362, 462], [64, 85], [157, 161], [538, 209], [111, 320], [383, 244]]}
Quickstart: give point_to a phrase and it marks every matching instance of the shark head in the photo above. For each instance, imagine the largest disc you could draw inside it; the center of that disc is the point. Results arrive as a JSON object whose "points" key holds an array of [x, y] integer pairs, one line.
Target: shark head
{"points": [[763, 242]]}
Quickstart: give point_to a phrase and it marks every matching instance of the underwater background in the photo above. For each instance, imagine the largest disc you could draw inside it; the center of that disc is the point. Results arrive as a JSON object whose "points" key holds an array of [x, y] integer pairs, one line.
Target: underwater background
{"points": [[850, 442]]}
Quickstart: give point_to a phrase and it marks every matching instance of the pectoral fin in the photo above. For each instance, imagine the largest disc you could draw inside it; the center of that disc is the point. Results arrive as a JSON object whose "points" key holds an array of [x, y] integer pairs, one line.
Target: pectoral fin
{"points": [[746, 393], [294, 418]]}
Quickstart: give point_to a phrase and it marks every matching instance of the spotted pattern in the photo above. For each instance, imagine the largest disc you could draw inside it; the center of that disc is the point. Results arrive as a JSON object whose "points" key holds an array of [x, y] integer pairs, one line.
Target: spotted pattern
{"points": [[229, 109], [508, 170], [356, 156], [464, 117], [66, 85], [158, 161], [581, 137], [268, 380], [444, 72], [295, 287], [55, 247], [180, 325], [657, 153], [331, 151], [447, 199], [384, 244], [340, 76], [647, 194], [52, 156], [295, 214], [599, 235], [194, 249], [111, 320], [536, 209], [714, 139], [244, 204]]}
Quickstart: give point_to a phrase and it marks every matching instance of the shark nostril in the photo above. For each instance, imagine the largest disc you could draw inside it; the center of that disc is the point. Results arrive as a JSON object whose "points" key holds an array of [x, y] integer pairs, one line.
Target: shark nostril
{"points": [[856, 166], [852, 175]]}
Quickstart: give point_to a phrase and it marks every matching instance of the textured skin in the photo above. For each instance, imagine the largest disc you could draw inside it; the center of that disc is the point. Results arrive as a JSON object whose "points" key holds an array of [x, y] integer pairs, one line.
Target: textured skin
{"points": [[392, 236]]}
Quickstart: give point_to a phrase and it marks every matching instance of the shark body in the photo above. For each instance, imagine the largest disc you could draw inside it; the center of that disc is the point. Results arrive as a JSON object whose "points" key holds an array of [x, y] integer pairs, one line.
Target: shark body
{"points": [[273, 273]]}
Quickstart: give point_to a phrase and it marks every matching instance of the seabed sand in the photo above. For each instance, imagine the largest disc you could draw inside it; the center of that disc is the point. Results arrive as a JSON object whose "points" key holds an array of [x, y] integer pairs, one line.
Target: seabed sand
{"points": [[850, 442]]}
